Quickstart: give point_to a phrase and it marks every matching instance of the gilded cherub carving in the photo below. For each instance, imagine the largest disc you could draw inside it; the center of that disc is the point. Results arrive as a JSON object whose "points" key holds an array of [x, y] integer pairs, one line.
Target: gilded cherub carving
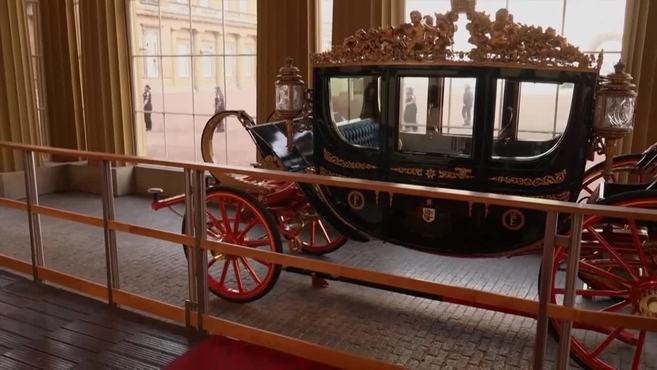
{"points": [[430, 38]]}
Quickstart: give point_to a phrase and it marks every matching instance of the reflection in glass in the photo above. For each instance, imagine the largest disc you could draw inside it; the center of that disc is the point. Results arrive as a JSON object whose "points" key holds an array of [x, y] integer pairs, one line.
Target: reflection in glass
{"points": [[354, 106], [436, 115], [620, 111]]}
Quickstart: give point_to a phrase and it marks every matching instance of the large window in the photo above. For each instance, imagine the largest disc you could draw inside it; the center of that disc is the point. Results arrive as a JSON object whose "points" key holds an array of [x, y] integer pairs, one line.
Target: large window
{"points": [[191, 59]]}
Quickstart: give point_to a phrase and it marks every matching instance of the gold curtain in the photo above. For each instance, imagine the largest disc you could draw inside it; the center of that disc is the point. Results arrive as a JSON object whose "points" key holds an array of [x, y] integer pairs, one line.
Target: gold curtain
{"points": [[351, 15], [106, 79], [62, 75], [285, 29], [18, 121], [640, 55]]}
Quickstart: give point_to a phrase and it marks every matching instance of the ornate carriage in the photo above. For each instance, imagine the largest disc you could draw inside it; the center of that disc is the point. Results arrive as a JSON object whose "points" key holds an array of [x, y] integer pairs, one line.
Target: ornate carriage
{"points": [[398, 104]]}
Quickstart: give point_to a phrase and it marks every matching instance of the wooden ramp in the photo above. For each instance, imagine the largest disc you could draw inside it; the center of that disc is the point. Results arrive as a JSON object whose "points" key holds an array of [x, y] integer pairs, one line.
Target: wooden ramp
{"points": [[45, 328]]}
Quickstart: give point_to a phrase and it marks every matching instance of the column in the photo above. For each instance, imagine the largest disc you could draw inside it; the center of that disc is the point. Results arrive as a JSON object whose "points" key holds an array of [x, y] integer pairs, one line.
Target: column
{"points": [[62, 75], [18, 121], [106, 77], [283, 31], [640, 56], [352, 15]]}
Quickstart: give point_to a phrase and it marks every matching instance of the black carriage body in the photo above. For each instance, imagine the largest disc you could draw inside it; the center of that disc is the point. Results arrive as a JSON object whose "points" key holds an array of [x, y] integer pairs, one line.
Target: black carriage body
{"points": [[379, 144]]}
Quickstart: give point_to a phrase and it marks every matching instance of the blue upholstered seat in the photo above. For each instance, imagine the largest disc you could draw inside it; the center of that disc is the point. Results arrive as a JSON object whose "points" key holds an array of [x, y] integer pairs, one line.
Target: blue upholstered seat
{"points": [[363, 133]]}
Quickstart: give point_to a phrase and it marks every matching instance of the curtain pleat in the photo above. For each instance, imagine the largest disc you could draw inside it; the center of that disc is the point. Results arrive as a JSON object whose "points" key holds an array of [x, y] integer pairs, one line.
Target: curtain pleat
{"points": [[17, 101], [351, 15], [284, 31], [62, 75], [106, 78], [640, 55]]}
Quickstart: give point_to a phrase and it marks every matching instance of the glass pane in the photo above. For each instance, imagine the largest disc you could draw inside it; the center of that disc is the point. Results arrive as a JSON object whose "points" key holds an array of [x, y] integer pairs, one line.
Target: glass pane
{"points": [[608, 62], [144, 84], [240, 148], [536, 110], [427, 7], [325, 28], [491, 6], [563, 106], [219, 139], [209, 96], [531, 117], [594, 30], [544, 13], [199, 125], [355, 109], [154, 139], [435, 115], [241, 94], [181, 137], [178, 95]]}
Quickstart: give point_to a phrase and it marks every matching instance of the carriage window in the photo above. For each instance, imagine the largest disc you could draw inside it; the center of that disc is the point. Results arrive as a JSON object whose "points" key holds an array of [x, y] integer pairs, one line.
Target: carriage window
{"points": [[354, 107], [523, 128], [436, 115]]}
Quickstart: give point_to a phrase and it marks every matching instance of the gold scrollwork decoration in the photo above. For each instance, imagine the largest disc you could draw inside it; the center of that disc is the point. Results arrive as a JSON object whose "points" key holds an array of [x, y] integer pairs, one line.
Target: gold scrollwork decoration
{"points": [[500, 40], [563, 196], [408, 171], [458, 173], [332, 158], [556, 178]]}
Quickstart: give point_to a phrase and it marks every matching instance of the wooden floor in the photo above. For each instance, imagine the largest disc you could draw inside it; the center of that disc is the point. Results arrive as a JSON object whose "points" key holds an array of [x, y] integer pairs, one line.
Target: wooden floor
{"points": [[45, 328]]}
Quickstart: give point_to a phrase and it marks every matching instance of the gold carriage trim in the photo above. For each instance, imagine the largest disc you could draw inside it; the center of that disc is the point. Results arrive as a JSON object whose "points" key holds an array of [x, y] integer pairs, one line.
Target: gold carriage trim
{"points": [[458, 173], [495, 41], [563, 196], [332, 158], [556, 178]]}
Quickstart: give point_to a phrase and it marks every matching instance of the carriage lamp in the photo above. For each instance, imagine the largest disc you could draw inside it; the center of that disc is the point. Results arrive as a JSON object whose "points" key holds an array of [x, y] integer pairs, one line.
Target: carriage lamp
{"points": [[614, 111], [290, 90]]}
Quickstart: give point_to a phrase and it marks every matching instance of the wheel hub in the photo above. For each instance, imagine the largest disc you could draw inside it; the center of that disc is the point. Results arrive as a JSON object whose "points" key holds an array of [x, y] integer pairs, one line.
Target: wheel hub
{"points": [[648, 303]]}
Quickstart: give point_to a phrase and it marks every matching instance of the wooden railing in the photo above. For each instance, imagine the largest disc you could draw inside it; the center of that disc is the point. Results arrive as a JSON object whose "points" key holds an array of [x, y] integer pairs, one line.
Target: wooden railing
{"points": [[195, 313]]}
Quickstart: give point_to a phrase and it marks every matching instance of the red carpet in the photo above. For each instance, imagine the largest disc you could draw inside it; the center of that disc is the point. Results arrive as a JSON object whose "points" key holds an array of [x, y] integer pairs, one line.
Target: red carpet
{"points": [[221, 353]]}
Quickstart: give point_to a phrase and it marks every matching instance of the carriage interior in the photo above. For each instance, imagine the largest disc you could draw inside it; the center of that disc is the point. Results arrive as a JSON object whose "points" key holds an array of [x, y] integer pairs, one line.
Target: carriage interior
{"points": [[436, 114]]}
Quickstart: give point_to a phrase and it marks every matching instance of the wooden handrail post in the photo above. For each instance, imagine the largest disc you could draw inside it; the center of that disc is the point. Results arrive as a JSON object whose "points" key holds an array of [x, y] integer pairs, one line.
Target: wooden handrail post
{"points": [[111, 261], [200, 235], [192, 302], [545, 284], [569, 296], [34, 219]]}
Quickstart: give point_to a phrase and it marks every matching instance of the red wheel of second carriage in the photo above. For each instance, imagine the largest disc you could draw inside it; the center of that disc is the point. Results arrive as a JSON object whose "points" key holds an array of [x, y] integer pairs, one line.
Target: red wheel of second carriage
{"points": [[236, 217], [315, 234], [617, 273]]}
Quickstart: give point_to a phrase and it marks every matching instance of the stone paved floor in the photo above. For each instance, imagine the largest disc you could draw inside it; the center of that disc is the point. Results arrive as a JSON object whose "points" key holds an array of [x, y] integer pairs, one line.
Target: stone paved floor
{"points": [[414, 332]]}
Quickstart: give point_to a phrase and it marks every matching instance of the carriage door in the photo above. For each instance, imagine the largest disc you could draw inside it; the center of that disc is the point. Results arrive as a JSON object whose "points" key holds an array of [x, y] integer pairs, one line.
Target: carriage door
{"points": [[432, 143]]}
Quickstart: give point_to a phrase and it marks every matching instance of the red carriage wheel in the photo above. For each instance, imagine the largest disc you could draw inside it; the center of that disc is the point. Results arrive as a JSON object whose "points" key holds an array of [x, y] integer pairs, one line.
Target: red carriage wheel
{"points": [[319, 237], [618, 273], [622, 164], [315, 235], [236, 217]]}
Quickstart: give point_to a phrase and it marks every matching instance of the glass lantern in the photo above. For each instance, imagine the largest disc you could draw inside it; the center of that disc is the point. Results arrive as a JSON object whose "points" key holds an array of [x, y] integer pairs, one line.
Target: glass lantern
{"points": [[614, 112], [290, 90], [614, 108]]}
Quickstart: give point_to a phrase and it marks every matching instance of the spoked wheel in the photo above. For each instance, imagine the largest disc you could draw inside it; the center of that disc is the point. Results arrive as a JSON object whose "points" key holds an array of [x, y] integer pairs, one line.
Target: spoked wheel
{"points": [[618, 273], [622, 164], [316, 235], [236, 217]]}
